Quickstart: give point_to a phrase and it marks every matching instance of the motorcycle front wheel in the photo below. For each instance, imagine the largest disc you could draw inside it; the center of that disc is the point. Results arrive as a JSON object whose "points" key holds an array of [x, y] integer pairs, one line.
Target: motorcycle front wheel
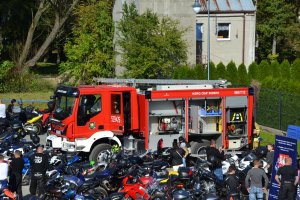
{"points": [[98, 193]]}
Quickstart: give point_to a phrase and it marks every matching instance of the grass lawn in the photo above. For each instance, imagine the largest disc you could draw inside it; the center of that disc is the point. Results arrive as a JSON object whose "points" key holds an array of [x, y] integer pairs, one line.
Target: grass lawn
{"points": [[269, 138], [27, 96]]}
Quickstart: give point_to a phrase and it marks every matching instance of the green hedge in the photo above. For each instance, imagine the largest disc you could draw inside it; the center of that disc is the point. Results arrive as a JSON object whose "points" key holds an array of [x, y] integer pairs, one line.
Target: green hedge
{"points": [[278, 103]]}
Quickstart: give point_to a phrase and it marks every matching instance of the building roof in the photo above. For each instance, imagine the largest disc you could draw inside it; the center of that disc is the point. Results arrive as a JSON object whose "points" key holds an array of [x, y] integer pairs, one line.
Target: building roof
{"points": [[229, 6]]}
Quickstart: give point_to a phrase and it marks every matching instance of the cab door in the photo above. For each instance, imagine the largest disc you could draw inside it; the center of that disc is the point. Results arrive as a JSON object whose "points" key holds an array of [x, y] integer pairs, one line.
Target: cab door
{"points": [[116, 112], [93, 121]]}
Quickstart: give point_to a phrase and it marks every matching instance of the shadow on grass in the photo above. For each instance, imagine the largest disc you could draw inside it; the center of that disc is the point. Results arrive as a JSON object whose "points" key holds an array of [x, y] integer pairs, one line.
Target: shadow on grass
{"points": [[49, 69]]}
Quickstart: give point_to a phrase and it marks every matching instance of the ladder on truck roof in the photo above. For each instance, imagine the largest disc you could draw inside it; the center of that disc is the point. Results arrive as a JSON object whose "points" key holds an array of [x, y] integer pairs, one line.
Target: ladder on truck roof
{"points": [[155, 82]]}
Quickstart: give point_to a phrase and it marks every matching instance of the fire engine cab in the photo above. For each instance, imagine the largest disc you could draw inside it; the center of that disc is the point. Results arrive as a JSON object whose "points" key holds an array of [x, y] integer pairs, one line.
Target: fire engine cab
{"points": [[137, 113]]}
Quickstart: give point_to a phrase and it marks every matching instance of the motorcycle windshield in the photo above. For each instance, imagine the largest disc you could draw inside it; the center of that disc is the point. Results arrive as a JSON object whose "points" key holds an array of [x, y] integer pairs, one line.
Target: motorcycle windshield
{"points": [[64, 107]]}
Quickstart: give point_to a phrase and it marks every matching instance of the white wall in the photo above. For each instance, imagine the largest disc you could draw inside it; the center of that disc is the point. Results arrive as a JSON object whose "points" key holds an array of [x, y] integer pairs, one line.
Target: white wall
{"points": [[182, 10]]}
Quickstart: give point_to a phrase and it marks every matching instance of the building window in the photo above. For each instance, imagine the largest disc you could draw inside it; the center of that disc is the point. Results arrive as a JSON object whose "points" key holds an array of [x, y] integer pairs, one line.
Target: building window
{"points": [[199, 33], [223, 31]]}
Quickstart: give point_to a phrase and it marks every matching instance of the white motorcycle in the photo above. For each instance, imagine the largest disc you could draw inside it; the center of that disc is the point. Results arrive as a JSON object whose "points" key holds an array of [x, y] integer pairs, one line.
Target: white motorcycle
{"points": [[242, 164]]}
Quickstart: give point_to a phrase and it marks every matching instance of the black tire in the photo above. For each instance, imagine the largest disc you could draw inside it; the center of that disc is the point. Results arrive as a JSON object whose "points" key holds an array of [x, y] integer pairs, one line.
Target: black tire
{"points": [[99, 193], [26, 180], [199, 149], [97, 151], [39, 128]]}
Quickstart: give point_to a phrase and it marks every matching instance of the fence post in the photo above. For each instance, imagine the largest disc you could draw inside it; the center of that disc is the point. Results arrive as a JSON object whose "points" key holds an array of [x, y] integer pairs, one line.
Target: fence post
{"points": [[279, 110]]}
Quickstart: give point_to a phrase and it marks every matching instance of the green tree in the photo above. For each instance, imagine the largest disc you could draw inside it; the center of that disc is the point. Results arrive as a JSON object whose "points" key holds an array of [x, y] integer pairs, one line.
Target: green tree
{"points": [[285, 69], [253, 71], [152, 46], [232, 73], [295, 70], [56, 13], [90, 52], [243, 78], [183, 72], [264, 70], [221, 71], [199, 72], [277, 27], [275, 67]]}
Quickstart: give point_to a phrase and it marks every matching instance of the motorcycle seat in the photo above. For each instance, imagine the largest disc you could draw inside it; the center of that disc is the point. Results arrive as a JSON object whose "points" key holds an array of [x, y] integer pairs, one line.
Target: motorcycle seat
{"points": [[93, 176]]}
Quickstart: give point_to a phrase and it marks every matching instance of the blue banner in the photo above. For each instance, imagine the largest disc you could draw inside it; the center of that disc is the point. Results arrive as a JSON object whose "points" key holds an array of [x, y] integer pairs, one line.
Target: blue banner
{"points": [[284, 147]]}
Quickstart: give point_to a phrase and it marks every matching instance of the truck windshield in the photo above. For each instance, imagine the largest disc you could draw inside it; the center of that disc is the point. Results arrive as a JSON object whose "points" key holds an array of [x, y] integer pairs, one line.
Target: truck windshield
{"points": [[64, 107]]}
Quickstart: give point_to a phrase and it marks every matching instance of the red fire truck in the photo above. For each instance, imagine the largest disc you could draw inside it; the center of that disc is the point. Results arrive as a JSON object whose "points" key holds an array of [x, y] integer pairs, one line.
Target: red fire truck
{"points": [[137, 113]]}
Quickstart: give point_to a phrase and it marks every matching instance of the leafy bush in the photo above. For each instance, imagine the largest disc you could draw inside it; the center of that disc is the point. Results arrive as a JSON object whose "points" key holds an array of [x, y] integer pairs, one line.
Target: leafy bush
{"points": [[275, 67], [199, 72], [232, 73], [278, 104], [285, 69], [253, 71], [221, 71], [243, 76], [295, 70], [264, 70]]}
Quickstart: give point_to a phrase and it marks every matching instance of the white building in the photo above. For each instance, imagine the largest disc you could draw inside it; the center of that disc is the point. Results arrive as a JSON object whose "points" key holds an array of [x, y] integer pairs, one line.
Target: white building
{"points": [[232, 27]]}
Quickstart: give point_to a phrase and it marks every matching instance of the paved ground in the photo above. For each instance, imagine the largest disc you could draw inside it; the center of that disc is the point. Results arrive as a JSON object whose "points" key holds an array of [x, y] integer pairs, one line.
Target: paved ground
{"points": [[25, 189]]}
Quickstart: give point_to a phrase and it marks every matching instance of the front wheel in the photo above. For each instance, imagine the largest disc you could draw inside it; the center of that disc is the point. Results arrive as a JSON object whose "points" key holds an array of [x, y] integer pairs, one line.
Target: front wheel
{"points": [[39, 128], [98, 193], [100, 153]]}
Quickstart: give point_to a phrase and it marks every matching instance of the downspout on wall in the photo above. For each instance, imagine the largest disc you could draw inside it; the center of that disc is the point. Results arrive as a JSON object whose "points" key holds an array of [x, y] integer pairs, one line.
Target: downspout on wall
{"points": [[244, 38]]}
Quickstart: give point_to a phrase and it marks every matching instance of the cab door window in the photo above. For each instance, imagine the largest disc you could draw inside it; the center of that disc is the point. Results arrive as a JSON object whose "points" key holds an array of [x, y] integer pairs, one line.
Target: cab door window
{"points": [[115, 104], [93, 107]]}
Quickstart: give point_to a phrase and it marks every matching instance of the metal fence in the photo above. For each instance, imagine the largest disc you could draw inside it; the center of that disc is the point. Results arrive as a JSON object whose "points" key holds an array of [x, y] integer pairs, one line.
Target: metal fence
{"points": [[276, 109]]}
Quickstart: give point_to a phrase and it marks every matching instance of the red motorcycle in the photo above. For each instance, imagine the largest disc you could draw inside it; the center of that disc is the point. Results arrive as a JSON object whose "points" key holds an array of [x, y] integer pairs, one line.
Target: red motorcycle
{"points": [[47, 113], [135, 188]]}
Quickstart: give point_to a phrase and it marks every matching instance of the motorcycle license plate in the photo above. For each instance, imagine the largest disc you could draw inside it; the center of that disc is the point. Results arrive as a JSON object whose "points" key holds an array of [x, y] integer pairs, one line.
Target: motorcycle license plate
{"points": [[58, 132]]}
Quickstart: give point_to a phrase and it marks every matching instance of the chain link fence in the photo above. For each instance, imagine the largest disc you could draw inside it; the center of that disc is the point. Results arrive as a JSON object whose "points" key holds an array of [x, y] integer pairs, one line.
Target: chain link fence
{"points": [[276, 109]]}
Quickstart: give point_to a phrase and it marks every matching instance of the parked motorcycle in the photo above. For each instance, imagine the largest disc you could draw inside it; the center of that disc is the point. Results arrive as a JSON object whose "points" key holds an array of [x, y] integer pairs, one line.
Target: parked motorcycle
{"points": [[68, 186], [5, 193]]}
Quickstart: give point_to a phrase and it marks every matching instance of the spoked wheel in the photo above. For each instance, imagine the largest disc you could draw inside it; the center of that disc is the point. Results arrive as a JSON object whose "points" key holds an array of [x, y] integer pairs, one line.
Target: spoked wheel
{"points": [[100, 153]]}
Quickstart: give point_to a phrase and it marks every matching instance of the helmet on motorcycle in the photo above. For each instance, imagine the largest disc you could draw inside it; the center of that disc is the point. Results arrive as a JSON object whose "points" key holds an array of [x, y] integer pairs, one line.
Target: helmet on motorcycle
{"points": [[35, 140]]}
